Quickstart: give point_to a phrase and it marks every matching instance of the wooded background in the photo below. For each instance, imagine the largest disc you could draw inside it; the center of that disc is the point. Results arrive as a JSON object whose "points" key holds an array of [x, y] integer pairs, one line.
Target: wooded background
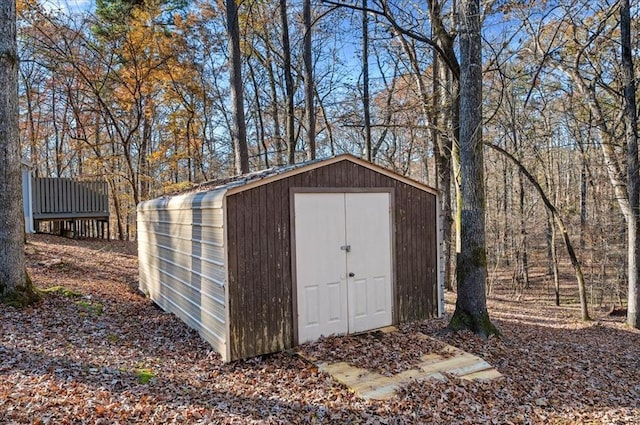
{"points": [[138, 93]]}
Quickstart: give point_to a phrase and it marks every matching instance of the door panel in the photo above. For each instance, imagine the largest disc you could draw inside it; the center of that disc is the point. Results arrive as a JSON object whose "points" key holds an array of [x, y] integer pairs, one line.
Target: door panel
{"points": [[320, 265], [311, 309], [358, 294], [336, 303], [349, 289], [368, 224]]}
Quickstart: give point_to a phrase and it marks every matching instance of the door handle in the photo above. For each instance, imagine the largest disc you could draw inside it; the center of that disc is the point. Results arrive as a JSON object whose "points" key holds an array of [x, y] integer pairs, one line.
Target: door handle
{"points": [[346, 248], [351, 274]]}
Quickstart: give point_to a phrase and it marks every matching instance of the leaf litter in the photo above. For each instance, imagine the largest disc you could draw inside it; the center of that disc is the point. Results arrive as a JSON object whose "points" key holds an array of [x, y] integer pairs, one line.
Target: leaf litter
{"points": [[63, 363]]}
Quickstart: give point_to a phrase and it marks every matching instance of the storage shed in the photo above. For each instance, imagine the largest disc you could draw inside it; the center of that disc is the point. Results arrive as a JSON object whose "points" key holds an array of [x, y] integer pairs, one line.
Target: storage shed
{"points": [[280, 257]]}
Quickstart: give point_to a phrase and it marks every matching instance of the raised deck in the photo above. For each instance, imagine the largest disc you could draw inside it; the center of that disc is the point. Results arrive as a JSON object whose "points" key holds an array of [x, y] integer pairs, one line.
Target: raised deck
{"points": [[70, 207]]}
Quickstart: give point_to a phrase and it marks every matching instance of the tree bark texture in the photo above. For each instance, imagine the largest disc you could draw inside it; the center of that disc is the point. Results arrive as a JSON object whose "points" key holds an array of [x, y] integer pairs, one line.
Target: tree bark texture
{"points": [[308, 82], [15, 286], [442, 153], [553, 257], [288, 82], [471, 305], [633, 178], [239, 129], [365, 82], [277, 134]]}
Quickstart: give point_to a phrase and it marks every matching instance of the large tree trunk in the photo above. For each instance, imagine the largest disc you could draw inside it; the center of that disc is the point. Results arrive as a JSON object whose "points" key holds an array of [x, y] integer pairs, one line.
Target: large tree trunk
{"points": [[260, 119], [365, 82], [15, 286], [633, 178], [308, 82], [441, 106], [277, 134], [288, 83], [239, 128], [442, 152], [471, 305]]}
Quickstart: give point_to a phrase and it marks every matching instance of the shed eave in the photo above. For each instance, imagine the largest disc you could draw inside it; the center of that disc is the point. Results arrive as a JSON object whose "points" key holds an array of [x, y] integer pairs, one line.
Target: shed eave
{"points": [[329, 161], [210, 198]]}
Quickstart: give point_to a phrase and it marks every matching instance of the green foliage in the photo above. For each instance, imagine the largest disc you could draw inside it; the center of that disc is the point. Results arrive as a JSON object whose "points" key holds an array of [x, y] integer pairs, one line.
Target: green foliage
{"points": [[113, 17], [88, 307], [144, 375], [65, 292], [116, 16]]}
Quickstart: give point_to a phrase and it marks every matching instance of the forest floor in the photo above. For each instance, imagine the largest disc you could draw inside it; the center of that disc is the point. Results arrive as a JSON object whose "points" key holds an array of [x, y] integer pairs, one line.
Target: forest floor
{"points": [[95, 351]]}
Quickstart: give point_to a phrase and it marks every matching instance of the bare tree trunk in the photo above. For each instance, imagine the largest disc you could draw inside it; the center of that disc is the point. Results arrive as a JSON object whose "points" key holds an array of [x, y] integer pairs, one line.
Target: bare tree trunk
{"points": [[552, 255], [239, 127], [116, 207], [258, 112], [16, 287], [471, 304], [583, 201], [288, 81], [32, 136], [455, 164], [633, 176], [143, 176], [506, 231], [523, 234], [328, 126], [365, 81], [308, 82], [277, 133], [442, 154]]}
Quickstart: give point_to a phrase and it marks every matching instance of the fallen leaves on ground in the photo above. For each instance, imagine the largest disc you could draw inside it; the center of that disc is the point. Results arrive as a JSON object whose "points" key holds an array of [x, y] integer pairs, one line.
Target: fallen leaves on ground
{"points": [[386, 353], [98, 352]]}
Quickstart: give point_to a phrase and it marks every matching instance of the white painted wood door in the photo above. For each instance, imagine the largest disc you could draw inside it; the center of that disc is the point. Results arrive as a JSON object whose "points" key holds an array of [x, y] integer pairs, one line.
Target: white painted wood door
{"points": [[343, 263], [369, 260]]}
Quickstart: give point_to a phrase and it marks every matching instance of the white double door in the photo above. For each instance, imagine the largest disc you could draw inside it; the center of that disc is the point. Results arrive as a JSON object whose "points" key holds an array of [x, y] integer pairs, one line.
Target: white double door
{"points": [[343, 263]]}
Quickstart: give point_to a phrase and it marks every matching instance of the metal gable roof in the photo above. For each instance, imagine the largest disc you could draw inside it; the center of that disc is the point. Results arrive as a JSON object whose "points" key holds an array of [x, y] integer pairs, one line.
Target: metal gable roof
{"points": [[259, 178], [214, 191]]}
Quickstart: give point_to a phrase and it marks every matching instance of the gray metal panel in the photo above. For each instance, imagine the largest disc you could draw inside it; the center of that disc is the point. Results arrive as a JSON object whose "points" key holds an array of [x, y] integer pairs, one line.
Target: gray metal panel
{"points": [[186, 231], [181, 252]]}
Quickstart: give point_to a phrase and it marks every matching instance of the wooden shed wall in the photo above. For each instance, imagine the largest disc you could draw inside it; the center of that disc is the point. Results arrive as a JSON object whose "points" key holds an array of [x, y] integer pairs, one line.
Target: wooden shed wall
{"points": [[182, 262], [261, 316]]}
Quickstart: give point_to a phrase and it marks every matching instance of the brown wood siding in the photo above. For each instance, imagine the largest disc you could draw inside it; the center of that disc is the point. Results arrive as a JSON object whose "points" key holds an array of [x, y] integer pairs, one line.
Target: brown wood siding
{"points": [[260, 274]]}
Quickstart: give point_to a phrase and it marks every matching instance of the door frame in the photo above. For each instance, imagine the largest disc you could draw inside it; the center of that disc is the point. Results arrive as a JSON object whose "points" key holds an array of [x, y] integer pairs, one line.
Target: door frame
{"points": [[292, 231]]}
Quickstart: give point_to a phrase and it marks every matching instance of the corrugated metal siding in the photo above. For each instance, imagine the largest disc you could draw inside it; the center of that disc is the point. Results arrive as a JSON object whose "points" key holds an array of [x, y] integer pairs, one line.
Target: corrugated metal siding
{"points": [[259, 243], [181, 254]]}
